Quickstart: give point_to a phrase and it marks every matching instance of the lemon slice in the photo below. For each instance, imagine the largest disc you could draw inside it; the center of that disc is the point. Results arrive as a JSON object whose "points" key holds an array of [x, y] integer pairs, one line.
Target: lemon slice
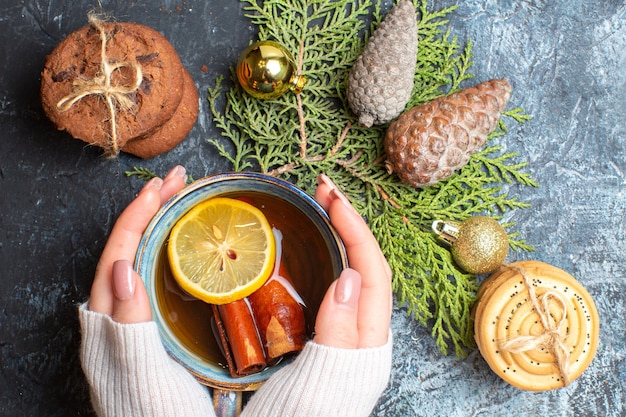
{"points": [[222, 250]]}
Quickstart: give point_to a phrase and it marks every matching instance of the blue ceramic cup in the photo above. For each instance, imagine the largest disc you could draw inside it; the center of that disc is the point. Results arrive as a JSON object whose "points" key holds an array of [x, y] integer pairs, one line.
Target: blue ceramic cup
{"points": [[301, 220]]}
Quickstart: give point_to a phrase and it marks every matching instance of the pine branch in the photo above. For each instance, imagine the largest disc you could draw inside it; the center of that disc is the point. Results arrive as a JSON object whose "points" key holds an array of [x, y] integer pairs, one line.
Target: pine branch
{"points": [[266, 135], [141, 173]]}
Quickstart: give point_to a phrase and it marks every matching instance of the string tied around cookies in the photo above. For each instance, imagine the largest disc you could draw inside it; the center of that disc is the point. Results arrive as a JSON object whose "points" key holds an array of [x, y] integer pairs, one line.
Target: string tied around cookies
{"points": [[551, 337], [116, 96]]}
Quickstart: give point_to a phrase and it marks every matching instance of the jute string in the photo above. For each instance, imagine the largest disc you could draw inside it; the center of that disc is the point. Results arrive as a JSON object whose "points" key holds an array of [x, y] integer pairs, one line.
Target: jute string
{"points": [[116, 96], [551, 337]]}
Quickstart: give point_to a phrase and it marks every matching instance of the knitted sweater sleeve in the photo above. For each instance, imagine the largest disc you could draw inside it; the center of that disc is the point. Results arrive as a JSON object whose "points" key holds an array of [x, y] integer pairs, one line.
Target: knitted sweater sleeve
{"points": [[131, 375], [325, 382]]}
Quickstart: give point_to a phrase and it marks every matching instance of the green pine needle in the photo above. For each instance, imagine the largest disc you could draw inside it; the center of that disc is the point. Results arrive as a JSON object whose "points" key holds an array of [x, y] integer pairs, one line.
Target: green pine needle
{"points": [[264, 135], [146, 175], [141, 173]]}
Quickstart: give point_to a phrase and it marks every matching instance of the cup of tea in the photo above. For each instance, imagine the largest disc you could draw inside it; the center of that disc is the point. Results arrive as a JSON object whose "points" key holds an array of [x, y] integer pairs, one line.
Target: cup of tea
{"points": [[312, 252]]}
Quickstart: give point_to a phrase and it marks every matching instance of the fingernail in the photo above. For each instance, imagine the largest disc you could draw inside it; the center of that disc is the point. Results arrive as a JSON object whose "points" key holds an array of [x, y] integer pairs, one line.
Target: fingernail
{"points": [[155, 182], [348, 288], [334, 193], [338, 195], [123, 279], [179, 171], [323, 179]]}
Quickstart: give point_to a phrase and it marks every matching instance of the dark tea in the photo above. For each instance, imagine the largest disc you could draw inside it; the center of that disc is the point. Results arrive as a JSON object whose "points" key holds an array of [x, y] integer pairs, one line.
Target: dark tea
{"points": [[305, 256]]}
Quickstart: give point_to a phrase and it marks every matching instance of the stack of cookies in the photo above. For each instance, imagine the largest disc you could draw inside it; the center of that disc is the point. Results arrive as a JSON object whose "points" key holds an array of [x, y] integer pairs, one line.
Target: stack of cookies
{"points": [[119, 86], [536, 326]]}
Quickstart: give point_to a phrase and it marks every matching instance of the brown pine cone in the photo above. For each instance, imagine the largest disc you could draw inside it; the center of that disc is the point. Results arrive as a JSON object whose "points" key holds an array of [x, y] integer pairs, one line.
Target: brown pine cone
{"points": [[427, 143]]}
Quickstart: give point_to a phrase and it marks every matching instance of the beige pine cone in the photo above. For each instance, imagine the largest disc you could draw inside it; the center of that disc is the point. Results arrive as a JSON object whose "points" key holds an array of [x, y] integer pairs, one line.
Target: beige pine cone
{"points": [[381, 80], [429, 142]]}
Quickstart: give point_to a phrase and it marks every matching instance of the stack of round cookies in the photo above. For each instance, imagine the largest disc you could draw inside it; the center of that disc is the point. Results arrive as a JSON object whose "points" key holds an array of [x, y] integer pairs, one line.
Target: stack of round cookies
{"points": [[119, 86], [536, 325]]}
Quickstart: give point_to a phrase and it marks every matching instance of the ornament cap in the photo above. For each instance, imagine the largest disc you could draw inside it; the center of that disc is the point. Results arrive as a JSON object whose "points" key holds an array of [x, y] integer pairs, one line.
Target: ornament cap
{"points": [[297, 83], [446, 230]]}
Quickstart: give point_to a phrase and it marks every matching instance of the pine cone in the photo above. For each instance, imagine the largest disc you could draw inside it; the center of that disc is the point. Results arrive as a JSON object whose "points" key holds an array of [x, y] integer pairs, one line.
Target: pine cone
{"points": [[429, 142], [381, 81]]}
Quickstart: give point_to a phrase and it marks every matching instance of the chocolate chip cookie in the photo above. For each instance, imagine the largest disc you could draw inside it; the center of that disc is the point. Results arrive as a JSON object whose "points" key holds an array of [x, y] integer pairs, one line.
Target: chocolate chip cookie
{"points": [[172, 132], [76, 63]]}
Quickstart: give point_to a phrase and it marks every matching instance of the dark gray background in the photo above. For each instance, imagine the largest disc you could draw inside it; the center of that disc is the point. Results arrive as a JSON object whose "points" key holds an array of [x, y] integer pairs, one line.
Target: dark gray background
{"points": [[59, 198]]}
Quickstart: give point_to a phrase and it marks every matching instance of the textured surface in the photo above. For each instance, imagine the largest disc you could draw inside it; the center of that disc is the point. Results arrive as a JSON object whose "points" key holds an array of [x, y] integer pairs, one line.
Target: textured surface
{"points": [[59, 199]]}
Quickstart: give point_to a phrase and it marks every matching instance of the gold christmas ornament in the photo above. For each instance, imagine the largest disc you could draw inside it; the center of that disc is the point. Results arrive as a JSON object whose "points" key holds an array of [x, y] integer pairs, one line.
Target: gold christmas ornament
{"points": [[535, 325], [266, 70], [478, 245]]}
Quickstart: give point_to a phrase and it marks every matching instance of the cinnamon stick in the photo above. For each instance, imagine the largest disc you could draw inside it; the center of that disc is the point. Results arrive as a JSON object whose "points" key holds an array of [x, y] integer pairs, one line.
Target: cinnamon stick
{"points": [[279, 317], [273, 313], [239, 338]]}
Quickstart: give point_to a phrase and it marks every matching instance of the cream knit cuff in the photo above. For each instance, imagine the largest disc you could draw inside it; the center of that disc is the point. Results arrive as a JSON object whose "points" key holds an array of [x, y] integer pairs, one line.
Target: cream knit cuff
{"points": [[325, 382], [130, 373]]}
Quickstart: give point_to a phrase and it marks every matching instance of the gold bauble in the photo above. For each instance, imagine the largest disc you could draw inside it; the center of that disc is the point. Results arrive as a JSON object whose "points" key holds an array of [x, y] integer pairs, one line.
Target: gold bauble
{"points": [[266, 70], [478, 245]]}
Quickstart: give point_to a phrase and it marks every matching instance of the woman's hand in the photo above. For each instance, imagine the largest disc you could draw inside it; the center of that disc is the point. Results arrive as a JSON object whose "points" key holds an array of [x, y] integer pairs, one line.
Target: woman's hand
{"points": [[356, 310], [117, 289]]}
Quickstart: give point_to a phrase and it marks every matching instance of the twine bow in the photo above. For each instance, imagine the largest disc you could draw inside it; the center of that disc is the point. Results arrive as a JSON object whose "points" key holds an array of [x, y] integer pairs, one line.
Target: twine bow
{"points": [[551, 337], [116, 96]]}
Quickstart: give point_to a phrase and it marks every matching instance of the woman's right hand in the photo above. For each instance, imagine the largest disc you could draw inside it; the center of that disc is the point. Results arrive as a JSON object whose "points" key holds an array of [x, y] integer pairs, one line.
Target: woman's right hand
{"points": [[117, 290], [356, 310]]}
